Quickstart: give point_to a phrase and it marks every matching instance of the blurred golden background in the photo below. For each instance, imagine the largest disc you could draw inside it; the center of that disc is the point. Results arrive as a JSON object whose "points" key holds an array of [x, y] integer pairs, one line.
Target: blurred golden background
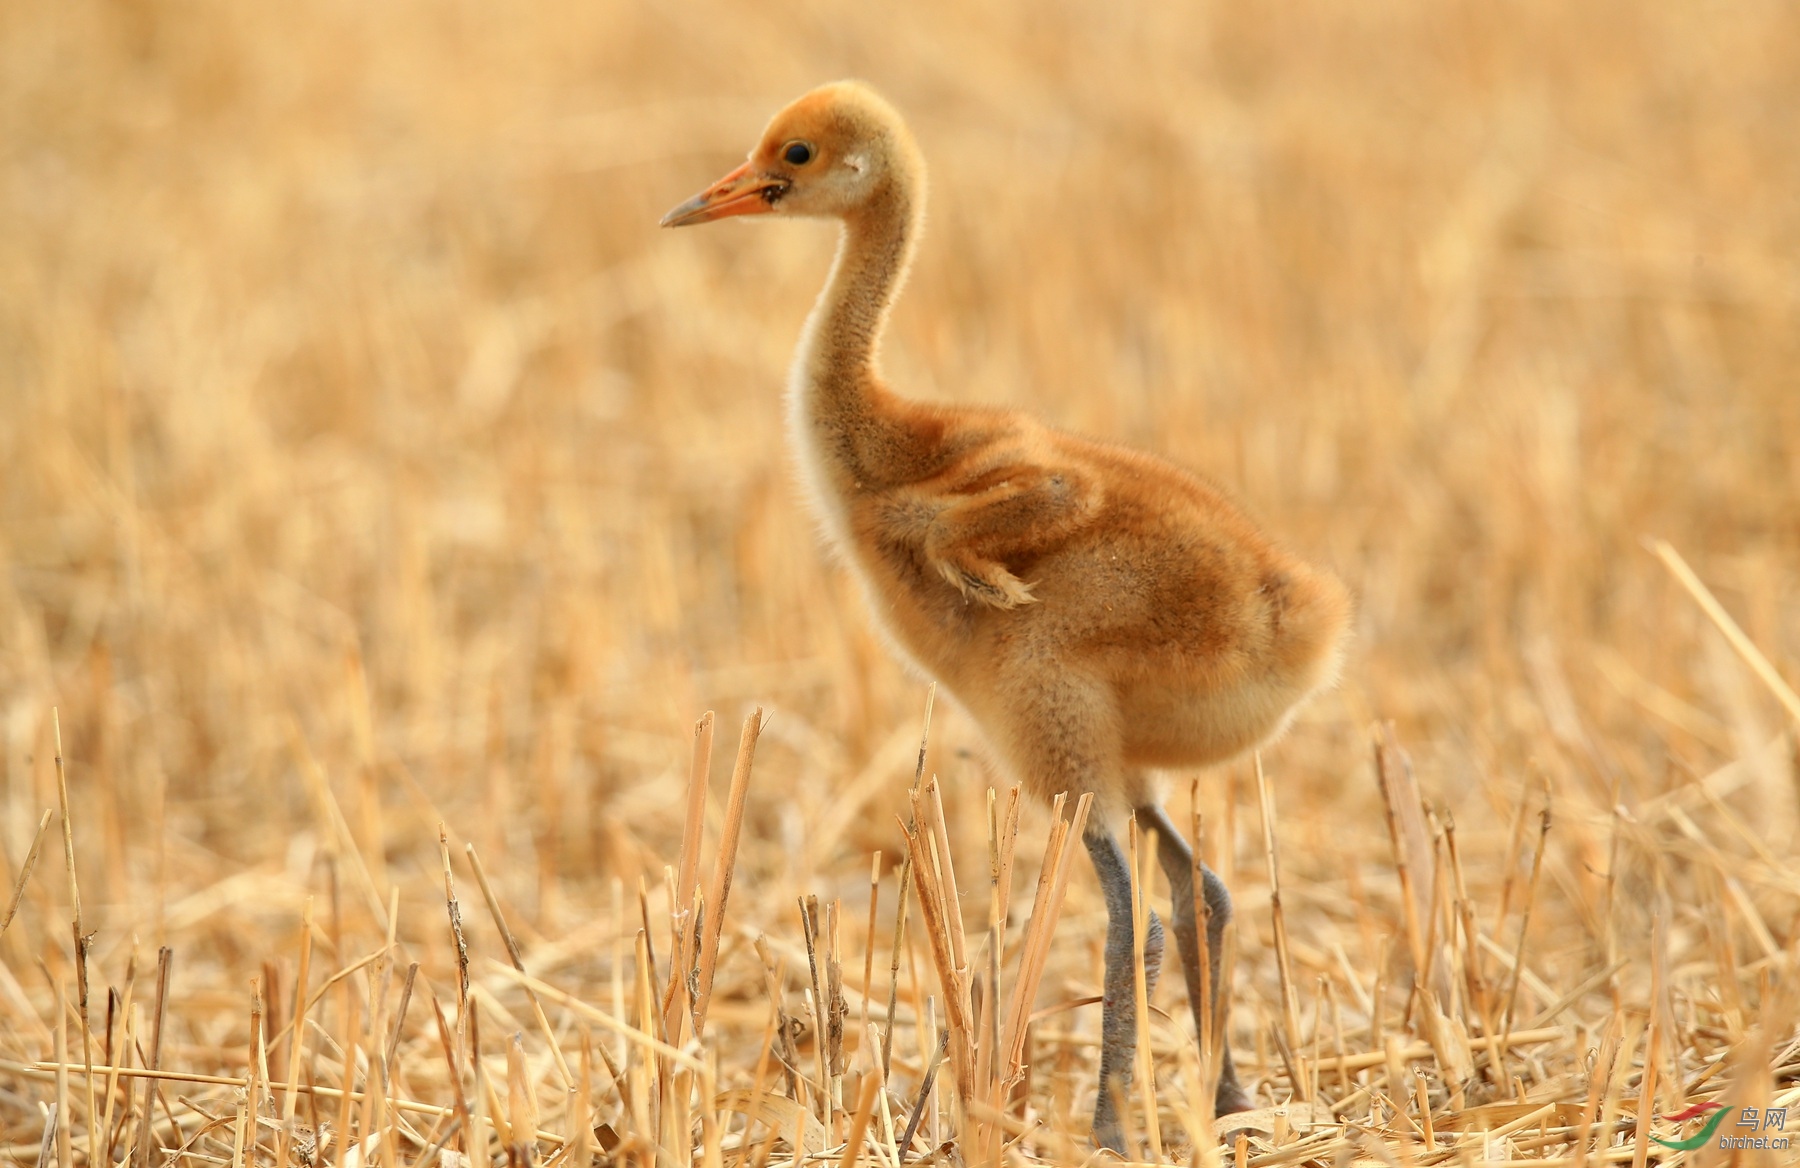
{"points": [[354, 410]]}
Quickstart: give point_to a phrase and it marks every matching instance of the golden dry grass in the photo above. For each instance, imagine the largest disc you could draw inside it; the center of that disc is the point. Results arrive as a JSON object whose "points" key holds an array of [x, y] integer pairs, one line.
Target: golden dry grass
{"points": [[368, 461]]}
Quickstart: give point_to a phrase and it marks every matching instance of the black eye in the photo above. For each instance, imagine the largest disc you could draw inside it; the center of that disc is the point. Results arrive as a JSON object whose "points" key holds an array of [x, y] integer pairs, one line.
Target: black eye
{"points": [[797, 153]]}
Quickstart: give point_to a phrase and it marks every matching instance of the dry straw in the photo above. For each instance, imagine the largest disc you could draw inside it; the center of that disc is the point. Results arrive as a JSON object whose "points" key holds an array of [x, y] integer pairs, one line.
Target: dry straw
{"points": [[1443, 1093], [383, 498]]}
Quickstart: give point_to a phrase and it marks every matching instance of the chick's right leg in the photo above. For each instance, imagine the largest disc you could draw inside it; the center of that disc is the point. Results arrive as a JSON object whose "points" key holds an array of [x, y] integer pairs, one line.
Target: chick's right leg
{"points": [[1178, 864]]}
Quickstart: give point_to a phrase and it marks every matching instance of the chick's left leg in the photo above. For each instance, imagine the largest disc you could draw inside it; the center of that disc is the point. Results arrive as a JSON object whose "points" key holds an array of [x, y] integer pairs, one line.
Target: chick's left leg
{"points": [[1118, 1010]]}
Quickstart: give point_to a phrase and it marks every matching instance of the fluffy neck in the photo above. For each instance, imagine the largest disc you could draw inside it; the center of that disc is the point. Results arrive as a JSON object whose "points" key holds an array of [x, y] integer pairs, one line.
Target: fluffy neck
{"points": [[874, 252], [835, 413]]}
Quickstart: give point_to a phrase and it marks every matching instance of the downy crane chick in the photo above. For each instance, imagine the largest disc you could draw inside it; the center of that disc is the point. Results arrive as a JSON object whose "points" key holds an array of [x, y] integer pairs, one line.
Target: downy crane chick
{"points": [[1099, 612]]}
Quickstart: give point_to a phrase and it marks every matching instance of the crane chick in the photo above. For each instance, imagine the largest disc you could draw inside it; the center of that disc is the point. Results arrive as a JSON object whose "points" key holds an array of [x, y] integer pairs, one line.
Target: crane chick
{"points": [[1101, 613]]}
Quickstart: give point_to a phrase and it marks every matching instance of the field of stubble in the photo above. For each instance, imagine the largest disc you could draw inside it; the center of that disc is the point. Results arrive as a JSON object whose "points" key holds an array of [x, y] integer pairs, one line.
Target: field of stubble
{"points": [[381, 491]]}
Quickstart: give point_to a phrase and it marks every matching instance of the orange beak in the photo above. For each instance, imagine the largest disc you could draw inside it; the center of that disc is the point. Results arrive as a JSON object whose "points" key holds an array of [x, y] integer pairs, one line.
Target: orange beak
{"points": [[742, 192]]}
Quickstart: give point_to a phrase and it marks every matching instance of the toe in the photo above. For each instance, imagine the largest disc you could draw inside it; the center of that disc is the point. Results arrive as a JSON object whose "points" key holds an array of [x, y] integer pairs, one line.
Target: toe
{"points": [[1110, 1137], [1231, 1099]]}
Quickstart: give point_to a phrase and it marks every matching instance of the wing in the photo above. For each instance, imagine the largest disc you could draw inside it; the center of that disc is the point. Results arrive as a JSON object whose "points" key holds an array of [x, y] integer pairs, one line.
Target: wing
{"points": [[1007, 511]]}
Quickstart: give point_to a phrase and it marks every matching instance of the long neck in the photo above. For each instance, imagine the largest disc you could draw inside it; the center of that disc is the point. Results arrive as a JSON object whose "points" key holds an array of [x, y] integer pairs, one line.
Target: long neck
{"points": [[836, 408], [873, 254]]}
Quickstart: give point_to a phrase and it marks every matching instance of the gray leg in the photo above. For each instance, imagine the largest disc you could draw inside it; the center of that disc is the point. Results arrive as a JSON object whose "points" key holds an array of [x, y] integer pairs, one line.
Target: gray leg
{"points": [[1178, 863], [1118, 1010]]}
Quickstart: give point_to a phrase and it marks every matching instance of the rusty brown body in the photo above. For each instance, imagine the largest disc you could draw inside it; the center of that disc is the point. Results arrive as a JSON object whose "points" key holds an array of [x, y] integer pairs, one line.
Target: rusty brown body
{"points": [[1101, 613]]}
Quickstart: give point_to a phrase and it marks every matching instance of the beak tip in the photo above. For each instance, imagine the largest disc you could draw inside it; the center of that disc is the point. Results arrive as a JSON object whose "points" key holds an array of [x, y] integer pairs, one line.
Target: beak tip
{"points": [[687, 213], [739, 193]]}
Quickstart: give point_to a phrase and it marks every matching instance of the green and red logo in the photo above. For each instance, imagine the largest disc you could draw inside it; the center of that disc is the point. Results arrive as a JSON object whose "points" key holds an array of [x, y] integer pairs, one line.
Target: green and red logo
{"points": [[1745, 1131], [1719, 1110]]}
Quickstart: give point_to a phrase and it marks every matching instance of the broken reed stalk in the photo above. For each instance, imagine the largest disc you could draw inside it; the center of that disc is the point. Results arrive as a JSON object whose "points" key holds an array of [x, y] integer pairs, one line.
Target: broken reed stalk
{"points": [[381, 1117], [1518, 970], [1646, 1100], [859, 1126], [989, 1023], [1290, 1024], [399, 1027], [352, 1044], [336, 826], [1515, 840], [925, 1084], [905, 882], [868, 980], [723, 866], [164, 958], [1474, 985], [712, 1151], [759, 1081], [1597, 1078], [646, 934], [1008, 829], [82, 939], [516, 956], [1002, 838], [773, 971], [1060, 853], [65, 1152], [652, 1085], [68, 835], [834, 1004], [815, 1004], [983, 1132], [937, 891], [580, 1119], [483, 1113], [949, 888], [633, 1035], [450, 1041], [296, 1040], [453, 908], [124, 1013], [1422, 1100], [256, 1078], [386, 1116], [980, 1135], [1743, 645], [678, 996], [1012, 1041], [1414, 854], [1434, 915], [521, 1106], [1337, 1035], [687, 879], [31, 857]]}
